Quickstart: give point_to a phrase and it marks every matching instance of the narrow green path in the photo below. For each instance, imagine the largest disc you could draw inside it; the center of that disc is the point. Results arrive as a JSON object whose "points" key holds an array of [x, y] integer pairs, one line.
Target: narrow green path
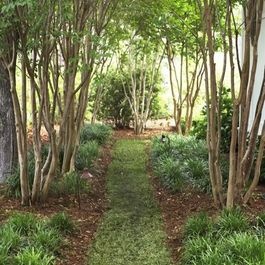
{"points": [[131, 232]]}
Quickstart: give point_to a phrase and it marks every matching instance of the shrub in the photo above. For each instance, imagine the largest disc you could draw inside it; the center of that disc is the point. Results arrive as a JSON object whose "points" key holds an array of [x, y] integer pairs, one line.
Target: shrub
{"points": [[48, 240], [33, 256], [199, 129], [95, 132], [232, 221], [198, 172], [10, 240], [62, 222], [13, 184], [85, 155], [260, 220], [244, 248], [13, 180], [24, 223], [199, 225], [170, 173], [114, 105], [230, 240], [240, 248], [191, 156], [71, 184], [20, 233], [194, 250], [174, 163]]}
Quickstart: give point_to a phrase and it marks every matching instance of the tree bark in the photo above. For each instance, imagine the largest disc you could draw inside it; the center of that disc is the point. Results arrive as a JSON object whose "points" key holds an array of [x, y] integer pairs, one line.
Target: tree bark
{"points": [[8, 150]]}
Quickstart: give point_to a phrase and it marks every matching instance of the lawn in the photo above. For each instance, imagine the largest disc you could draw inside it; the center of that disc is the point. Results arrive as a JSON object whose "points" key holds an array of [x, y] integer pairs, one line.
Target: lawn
{"points": [[131, 231]]}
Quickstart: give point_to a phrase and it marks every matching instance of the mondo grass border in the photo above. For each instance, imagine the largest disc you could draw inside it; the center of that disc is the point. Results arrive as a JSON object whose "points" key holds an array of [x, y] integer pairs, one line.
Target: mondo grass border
{"points": [[132, 231]]}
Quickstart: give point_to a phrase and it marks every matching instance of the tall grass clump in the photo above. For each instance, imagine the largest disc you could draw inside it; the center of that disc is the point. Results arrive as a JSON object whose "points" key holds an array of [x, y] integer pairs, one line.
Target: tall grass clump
{"points": [[170, 173], [27, 239], [71, 184], [13, 180], [198, 225], [229, 240], [187, 156], [86, 154], [62, 222], [25, 223], [92, 136], [233, 220], [33, 256], [95, 132]]}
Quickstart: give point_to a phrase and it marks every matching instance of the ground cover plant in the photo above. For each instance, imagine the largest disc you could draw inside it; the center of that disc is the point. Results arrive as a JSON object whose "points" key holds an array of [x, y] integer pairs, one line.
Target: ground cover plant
{"points": [[132, 231], [231, 238], [27, 239], [180, 161], [92, 137]]}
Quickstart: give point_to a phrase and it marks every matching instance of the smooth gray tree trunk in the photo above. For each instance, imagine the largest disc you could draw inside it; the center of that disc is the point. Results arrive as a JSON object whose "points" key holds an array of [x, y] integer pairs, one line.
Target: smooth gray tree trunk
{"points": [[8, 154]]}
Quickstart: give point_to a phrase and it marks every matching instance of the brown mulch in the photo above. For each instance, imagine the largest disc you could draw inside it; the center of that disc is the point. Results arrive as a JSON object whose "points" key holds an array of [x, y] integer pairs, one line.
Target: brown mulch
{"points": [[176, 208], [93, 206]]}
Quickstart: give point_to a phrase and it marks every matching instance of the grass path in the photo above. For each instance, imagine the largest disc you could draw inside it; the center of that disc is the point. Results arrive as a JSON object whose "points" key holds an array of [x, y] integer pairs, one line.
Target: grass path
{"points": [[131, 232]]}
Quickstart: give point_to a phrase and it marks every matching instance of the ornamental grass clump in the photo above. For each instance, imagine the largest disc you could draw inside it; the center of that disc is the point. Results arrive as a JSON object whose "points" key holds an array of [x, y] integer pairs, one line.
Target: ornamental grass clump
{"points": [[198, 225], [28, 239], [229, 239], [179, 161]]}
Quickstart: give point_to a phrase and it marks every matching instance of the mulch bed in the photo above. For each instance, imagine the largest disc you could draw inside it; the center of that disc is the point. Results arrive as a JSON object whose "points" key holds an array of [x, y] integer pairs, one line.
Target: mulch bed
{"points": [[176, 208], [93, 206]]}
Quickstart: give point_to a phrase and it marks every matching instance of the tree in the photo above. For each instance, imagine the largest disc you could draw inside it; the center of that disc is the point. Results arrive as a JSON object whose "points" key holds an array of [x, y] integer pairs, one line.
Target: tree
{"points": [[243, 141], [56, 42], [8, 155]]}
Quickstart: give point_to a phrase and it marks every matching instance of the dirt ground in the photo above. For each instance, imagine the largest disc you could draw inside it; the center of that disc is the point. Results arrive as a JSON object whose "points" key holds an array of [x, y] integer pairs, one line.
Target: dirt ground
{"points": [[93, 206], [175, 208]]}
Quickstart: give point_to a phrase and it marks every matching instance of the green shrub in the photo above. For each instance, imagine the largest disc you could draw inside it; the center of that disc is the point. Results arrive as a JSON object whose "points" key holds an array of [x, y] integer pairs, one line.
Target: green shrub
{"points": [[260, 220], [85, 155], [198, 225], [114, 105], [232, 221], [4, 259], [47, 239], [245, 248], [199, 129], [13, 184], [239, 248], [95, 132], [13, 180], [170, 173], [70, 184], [10, 239], [191, 156], [195, 249], [62, 222], [33, 256], [24, 230], [174, 163], [24, 223], [231, 241], [198, 172]]}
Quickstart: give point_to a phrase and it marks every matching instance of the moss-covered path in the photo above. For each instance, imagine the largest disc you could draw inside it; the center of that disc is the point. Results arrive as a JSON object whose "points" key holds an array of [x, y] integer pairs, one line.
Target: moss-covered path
{"points": [[131, 232]]}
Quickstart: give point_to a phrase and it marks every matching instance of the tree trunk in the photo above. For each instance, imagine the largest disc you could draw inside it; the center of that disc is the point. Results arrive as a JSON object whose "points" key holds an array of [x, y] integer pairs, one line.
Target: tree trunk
{"points": [[8, 150]]}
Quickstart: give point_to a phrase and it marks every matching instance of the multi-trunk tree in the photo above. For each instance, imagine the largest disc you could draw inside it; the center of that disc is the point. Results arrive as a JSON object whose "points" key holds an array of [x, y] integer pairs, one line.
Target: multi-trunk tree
{"points": [[243, 156], [56, 44]]}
